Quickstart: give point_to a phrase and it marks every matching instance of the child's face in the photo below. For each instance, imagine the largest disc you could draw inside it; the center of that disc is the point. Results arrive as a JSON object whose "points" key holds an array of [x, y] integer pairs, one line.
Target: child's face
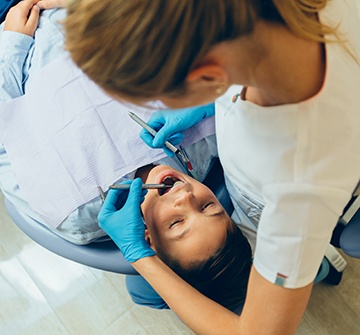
{"points": [[187, 221]]}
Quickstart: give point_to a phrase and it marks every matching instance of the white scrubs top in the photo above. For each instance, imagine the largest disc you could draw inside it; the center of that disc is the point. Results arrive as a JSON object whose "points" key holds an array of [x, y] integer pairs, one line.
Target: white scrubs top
{"points": [[292, 168]]}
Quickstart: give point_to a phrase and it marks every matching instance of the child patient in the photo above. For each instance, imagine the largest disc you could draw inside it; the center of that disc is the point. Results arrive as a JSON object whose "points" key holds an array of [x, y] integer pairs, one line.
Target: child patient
{"points": [[192, 233]]}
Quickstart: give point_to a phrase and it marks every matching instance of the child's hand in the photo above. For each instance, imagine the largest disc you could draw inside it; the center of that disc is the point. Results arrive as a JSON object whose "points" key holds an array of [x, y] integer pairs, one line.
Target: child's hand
{"points": [[47, 4], [23, 18]]}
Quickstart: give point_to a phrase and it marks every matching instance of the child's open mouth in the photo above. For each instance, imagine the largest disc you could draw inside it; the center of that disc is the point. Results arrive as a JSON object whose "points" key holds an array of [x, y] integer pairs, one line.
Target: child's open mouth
{"points": [[169, 180]]}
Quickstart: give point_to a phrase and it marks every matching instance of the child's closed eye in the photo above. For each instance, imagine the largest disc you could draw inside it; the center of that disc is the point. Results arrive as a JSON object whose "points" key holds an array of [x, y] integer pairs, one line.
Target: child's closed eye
{"points": [[175, 223], [207, 205]]}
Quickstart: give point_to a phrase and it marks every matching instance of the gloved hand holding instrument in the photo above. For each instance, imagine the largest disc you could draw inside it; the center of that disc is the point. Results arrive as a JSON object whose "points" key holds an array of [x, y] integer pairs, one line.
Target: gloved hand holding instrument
{"points": [[170, 123], [120, 217]]}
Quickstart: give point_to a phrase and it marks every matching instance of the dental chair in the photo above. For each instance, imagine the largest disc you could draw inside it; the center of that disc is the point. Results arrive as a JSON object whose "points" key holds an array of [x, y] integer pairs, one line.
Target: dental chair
{"points": [[348, 236], [106, 255]]}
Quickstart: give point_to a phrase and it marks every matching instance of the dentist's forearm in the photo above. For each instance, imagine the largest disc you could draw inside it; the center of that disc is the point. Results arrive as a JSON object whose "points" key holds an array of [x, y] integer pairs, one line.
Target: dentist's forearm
{"points": [[200, 314]]}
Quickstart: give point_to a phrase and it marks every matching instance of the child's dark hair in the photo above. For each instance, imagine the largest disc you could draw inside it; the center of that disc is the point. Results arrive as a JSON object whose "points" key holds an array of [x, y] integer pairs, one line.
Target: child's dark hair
{"points": [[224, 276]]}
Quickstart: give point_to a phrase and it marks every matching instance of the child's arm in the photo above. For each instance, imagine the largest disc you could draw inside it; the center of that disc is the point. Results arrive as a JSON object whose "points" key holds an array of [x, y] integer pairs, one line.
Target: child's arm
{"points": [[15, 42]]}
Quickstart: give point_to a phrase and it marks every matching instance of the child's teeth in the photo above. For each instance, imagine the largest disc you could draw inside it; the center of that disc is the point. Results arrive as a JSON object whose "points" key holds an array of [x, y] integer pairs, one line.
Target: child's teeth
{"points": [[177, 183]]}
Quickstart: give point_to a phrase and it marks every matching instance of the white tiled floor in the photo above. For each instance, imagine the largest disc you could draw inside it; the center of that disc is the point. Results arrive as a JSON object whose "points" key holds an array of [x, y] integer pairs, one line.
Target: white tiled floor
{"points": [[44, 294]]}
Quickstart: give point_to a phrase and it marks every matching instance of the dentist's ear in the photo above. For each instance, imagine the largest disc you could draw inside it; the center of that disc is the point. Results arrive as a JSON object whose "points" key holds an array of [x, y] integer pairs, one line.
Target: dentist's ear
{"points": [[211, 77]]}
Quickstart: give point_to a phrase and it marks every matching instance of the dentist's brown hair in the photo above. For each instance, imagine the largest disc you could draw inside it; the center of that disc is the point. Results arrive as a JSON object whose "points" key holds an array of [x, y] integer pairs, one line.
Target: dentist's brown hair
{"points": [[145, 49]]}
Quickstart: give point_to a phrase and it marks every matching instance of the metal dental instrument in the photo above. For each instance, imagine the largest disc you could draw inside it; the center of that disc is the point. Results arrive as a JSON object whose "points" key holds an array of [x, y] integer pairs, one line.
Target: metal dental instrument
{"points": [[153, 132], [188, 163], [144, 186], [180, 152], [102, 194], [127, 186]]}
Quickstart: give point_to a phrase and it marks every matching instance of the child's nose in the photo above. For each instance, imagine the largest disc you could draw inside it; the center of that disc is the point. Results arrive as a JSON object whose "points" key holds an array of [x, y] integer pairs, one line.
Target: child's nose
{"points": [[184, 198]]}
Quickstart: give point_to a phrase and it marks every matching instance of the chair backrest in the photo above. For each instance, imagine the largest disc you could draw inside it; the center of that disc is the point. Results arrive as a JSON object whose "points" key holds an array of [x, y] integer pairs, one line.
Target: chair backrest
{"points": [[102, 255], [349, 240], [216, 182]]}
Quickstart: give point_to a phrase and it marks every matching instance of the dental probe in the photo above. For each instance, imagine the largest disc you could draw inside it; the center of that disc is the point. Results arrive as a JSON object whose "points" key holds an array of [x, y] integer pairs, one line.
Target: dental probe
{"points": [[127, 186], [153, 132], [102, 194], [178, 151], [144, 186]]}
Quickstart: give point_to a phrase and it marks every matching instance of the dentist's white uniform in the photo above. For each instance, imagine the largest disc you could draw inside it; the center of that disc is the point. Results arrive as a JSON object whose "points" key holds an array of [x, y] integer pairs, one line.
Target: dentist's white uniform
{"points": [[296, 165]]}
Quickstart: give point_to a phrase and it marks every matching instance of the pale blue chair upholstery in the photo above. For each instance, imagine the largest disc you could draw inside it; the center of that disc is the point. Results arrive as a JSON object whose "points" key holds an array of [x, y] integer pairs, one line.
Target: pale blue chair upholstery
{"points": [[101, 255], [350, 237], [349, 240]]}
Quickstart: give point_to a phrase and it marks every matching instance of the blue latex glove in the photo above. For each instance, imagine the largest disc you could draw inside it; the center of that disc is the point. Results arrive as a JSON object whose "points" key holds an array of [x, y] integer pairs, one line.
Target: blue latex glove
{"points": [[169, 124], [121, 219]]}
